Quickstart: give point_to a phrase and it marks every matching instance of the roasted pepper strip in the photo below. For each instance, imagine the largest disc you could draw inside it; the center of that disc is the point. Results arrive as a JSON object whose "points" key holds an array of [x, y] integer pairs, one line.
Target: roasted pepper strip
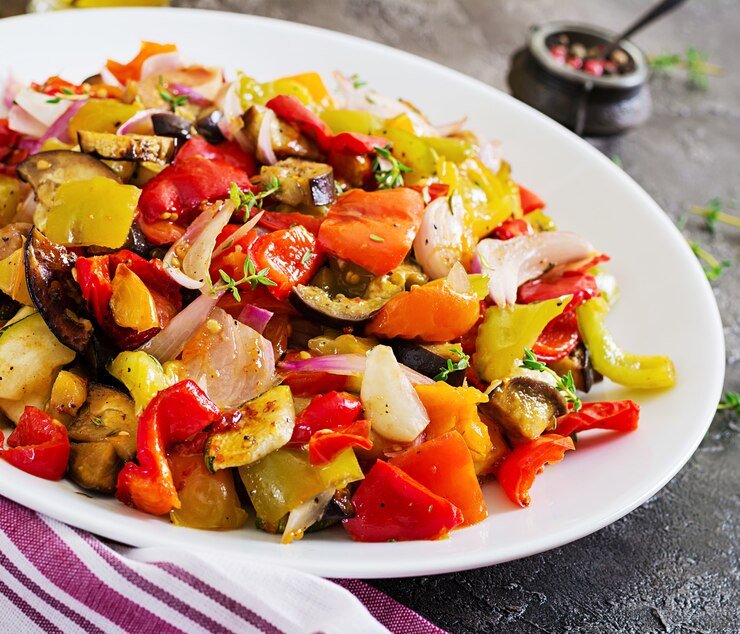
{"points": [[327, 444], [229, 151], [291, 110], [132, 70], [613, 415], [391, 506], [326, 411], [173, 416], [625, 368], [39, 445], [518, 470], [94, 276], [355, 143]]}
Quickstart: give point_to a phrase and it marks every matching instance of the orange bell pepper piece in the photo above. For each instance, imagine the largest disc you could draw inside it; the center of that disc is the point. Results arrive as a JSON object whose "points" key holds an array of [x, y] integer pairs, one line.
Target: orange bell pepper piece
{"points": [[433, 312], [456, 409], [444, 466], [132, 70]]}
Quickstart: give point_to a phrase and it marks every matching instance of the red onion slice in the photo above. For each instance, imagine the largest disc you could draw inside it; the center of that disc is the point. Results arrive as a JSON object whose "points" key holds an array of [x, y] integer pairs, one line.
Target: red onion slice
{"points": [[255, 317], [161, 63], [345, 365]]}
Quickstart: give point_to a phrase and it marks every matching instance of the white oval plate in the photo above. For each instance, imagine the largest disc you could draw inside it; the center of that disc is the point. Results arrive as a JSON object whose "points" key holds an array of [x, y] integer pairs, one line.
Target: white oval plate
{"points": [[666, 304]]}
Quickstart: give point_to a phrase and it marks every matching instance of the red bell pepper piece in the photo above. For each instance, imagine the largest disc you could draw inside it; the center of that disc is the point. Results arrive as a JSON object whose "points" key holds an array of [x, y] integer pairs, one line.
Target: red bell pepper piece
{"points": [[517, 471], [10, 153], [274, 220], [529, 200], [39, 445], [94, 276], [613, 415], [326, 444], [373, 229], [332, 411], [512, 228], [180, 188], [595, 261], [391, 506], [229, 151], [559, 338], [291, 110], [355, 143], [444, 465], [307, 384], [172, 417], [291, 256], [569, 283], [55, 85]]}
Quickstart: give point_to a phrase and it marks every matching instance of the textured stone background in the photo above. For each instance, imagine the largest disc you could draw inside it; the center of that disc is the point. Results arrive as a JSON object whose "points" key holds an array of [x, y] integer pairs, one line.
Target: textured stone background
{"points": [[671, 565]]}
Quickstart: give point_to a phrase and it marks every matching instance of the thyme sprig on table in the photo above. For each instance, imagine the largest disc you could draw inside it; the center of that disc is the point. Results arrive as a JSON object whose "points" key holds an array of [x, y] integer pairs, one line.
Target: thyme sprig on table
{"points": [[252, 276], [713, 213], [730, 401], [388, 169], [694, 62], [565, 384]]}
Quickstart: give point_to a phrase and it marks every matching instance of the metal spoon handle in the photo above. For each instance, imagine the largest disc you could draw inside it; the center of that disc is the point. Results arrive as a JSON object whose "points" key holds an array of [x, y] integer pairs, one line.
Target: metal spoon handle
{"points": [[657, 11]]}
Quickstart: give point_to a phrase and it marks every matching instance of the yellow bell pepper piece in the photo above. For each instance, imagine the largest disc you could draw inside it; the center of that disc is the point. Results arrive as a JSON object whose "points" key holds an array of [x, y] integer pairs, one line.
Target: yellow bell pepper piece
{"points": [[98, 211], [412, 152], [402, 122], [10, 198], [13, 278], [131, 303], [101, 115], [625, 368], [539, 221], [55, 144], [456, 408], [450, 148], [315, 86], [252, 92], [507, 331]]}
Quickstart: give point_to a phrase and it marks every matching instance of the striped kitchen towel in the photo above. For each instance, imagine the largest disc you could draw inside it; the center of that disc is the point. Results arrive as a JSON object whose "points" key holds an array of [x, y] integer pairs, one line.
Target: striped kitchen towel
{"points": [[54, 578]]}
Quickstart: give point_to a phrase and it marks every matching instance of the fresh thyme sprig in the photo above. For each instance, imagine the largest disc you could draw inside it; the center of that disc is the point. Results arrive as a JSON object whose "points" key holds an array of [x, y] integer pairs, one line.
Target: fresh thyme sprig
{"points": [[357, 82], [731, 400], [248, 200], [714, 214], [174, 100], [698, 69], [453, 366], [66, 92], [565, 383], [388, 169], [713, 267], [252, 276]]}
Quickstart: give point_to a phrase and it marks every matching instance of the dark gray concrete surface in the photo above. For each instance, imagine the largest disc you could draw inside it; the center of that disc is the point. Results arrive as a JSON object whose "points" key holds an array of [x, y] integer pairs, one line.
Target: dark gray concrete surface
{"points": [[672, 565]]}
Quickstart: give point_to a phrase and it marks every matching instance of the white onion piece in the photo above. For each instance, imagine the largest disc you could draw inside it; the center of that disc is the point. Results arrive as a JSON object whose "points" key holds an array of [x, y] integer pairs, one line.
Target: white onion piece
{"points": [[438, 243], [20, 121], [109, 78], [265, 153], [37, 105], [510, 263], [238, 234], [490, 154], [194, 249], [141, 122], [169, 342], [458, 279], [303, 516], [12, 86], [346, 365], [388, 398], [446, 129], [229, 361], [227, 100], [160, 64]]}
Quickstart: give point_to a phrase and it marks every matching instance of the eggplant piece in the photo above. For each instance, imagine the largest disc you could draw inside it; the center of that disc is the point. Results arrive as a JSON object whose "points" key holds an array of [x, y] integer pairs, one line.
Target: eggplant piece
{"points": [[8, 308], [45, 171], [524, 407], [127, 147], [54, 291], [579, 363], [286, 140], [170, 125], [340, 508], [12, 238], [207, 126], [423, 361], [94, 466], [338, 311], [302, 183]]}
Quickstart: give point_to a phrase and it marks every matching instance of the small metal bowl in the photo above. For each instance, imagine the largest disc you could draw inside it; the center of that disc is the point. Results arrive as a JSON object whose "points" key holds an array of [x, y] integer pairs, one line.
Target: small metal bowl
{"points": [[587, 104]]}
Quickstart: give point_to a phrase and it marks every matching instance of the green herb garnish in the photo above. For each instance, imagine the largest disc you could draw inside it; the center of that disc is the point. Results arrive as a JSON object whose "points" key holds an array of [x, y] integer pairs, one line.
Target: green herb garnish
{"points": [[248, 200], [713, 214], [713, 267], [453, 366], [698, 69], [392, 175], [356, 81], [54, 100], [306, 257], [252, 276], [731, 400], [376, 238], [174, 100], [565, 383]]}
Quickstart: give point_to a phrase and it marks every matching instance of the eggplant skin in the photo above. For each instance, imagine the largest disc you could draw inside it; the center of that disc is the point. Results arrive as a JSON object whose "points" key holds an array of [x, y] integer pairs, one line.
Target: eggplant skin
{"points": [[170, 125], [423, 361], [207, 126], [302, 182], [579, 363], [54, 291], [339, 311]]}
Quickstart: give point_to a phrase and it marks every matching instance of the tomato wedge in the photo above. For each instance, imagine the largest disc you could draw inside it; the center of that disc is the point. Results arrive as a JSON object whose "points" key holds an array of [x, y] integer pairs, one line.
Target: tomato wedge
{"points": [[373, 229]]}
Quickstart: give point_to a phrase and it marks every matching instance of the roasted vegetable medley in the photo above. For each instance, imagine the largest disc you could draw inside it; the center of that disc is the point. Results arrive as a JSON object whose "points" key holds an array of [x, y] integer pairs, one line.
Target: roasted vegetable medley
{"points": [[228, 301]]}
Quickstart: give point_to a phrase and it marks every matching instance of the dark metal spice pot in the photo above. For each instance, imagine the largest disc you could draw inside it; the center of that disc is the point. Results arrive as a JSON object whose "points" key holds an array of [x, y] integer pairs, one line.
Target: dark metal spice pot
{"points": [[559, 73]]}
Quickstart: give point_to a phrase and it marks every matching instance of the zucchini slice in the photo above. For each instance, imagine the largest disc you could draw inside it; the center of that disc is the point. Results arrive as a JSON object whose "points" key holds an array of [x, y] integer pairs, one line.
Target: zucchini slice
{"points": [[266, 425]]}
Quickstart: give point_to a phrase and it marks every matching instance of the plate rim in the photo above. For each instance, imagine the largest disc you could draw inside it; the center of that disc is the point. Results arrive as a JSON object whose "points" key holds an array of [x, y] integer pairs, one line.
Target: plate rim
{"points": [[475, 558]]}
